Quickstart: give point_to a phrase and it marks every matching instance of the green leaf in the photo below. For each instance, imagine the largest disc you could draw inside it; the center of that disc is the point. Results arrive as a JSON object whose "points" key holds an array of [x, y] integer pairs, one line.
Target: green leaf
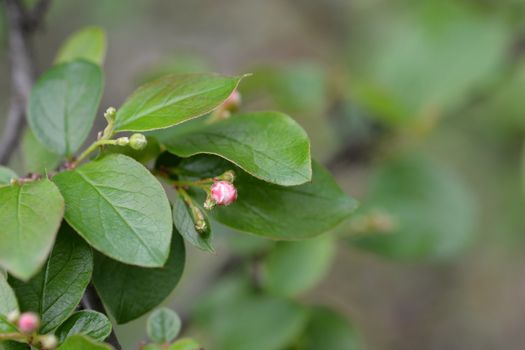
{"points": [[163, 325], [172, 100], [300, 87], [184, 223], [6, 326], [56, 291], [432, 213], [328, 330], [81, 342], [416, 69], [130, 291], [185, 344], [30, 215], [13, 345], [116, 205], [87, 322], [63, 104], [294, 267], [8, 300], [88, 43], [153, 347], [255, 322], [274, 211], [6, 175], [37, 158], [268, 145]]}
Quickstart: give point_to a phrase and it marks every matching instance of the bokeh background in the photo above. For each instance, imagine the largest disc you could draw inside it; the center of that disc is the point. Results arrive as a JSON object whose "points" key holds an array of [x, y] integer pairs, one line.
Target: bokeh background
{"points": [[418, 108]]}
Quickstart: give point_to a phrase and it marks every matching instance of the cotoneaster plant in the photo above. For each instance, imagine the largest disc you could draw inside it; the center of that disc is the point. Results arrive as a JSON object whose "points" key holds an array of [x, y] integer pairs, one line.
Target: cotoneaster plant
{"points": [[99, 217]]}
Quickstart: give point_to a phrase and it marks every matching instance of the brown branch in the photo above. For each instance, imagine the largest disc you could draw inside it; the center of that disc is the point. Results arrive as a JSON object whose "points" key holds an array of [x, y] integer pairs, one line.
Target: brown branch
{"points": [[35, 17], [21, 26]]}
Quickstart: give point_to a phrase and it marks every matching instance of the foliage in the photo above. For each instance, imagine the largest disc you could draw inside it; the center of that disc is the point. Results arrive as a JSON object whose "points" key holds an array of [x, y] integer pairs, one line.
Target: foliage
{"points": [[103, 215]]}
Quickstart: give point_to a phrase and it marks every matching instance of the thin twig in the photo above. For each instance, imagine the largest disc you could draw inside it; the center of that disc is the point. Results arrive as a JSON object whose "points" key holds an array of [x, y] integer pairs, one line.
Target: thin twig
{"points": [[35, 17], [91, 301], [21, 77], [21, 25]]}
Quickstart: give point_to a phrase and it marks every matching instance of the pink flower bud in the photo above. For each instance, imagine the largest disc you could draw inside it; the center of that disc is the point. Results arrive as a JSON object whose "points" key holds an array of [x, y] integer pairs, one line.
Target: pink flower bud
{"points": [[28, 323], [233, 102], [223, 193]]}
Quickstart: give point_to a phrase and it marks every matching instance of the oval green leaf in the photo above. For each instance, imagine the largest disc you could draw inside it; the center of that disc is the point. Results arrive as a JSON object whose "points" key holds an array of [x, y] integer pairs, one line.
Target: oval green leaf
{"points": [[153, 347], [130, 291], [30, 215], [55, 292], [163, 325], [37, 158], [253, 322], [185, 344], [329, 330], [294, 267], [172, 100], [6, 326], [8, 302], [81, 342], [13, 345], [88, 43], [268, 145], [63, 104], [6, 175], [280, 212], [432, 212], [116, 205], [86, 322], [184, 223]]}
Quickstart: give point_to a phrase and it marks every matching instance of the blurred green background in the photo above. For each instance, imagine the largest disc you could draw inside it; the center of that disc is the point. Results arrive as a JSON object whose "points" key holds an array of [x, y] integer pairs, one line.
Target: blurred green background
{"points": [[418, 108]]}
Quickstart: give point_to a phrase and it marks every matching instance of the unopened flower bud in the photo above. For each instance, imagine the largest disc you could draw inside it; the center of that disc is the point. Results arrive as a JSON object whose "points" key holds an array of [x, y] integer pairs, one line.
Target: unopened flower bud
{"points": [[198, 217], [138, 142], [13, 316], [122, 141], [228, 176], [49, 341], [110, 114], [223, 193], [200, 226], [209, 203], [233, 102], [28, 323]]}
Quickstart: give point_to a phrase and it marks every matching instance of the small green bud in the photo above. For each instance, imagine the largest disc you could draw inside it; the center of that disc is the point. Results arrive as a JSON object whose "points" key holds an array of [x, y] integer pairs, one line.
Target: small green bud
{"points": [[233, 102], [49, 341], [200, 226], [209, 203], [110, 114], [228, 176], [198, 217], [13, 316], [122, 141], [138, 142]]}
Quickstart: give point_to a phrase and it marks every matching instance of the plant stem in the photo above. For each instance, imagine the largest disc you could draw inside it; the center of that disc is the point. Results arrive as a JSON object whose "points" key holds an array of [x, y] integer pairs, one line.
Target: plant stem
{"points": [[22, 69], [12, 336], [91, 149], [185, 196], [197, 184], [91, 301]]}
